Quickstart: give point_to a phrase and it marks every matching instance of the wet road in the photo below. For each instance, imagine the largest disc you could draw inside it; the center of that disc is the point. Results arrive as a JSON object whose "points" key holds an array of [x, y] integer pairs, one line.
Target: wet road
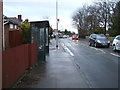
{"points": [[98, 65]]}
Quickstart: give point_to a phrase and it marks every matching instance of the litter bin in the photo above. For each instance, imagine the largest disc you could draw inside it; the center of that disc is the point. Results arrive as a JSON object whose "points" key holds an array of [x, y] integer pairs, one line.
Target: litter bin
{"points": [[40, 34]]}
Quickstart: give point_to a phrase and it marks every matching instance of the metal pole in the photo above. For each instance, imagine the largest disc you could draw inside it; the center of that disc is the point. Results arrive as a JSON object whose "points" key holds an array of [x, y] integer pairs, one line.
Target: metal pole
{"points": [[1, 28], [3, 35], [56, 23]]}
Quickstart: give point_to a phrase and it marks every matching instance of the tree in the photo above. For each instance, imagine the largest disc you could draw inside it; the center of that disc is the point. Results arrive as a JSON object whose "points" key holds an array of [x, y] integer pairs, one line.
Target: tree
{"points": [[79, 18], [105, 11], [85, 19], [65, 31], [89, 18], [116, 21], [25, 28], [92, 20]]}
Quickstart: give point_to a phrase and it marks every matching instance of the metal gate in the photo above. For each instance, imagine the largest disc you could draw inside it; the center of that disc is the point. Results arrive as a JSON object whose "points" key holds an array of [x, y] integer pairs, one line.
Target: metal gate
{"points": [[40, 35]]}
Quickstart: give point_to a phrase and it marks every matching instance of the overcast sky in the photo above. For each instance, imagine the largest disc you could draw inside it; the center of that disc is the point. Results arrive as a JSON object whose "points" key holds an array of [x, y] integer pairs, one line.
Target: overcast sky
{"points": [[36, 10]]}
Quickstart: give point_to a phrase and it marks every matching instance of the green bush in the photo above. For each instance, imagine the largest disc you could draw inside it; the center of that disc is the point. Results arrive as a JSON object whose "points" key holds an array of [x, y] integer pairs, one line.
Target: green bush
{"points": [[99, 31], [25, 28], [112, 32]]}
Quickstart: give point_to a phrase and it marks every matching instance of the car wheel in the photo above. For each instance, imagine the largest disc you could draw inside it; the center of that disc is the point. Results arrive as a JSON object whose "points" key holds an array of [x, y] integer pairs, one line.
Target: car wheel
{"points": [[89, 44], [95, 44], [108, 46], [114, 48]]}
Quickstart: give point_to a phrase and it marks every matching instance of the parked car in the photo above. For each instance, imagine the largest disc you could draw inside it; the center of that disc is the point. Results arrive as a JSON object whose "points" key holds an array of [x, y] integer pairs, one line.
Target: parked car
{"points": [[64, 36], [75, 37], [98, 40], [67, 36], [116, 43], [60, 36]]}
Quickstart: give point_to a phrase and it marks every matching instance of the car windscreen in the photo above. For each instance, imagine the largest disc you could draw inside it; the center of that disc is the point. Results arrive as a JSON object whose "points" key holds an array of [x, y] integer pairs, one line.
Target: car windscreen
{"points": [[101, 37], [118, 38]]}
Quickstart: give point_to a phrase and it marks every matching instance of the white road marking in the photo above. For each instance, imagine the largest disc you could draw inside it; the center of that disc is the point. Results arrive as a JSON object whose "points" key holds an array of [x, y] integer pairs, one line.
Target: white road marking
{"points": [[65, 47], [69, 51], [105, 52], [115, 55]]}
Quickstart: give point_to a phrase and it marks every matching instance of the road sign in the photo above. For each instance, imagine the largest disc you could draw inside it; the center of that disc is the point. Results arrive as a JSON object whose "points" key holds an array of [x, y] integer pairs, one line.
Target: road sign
{"points": [[58, 20]]}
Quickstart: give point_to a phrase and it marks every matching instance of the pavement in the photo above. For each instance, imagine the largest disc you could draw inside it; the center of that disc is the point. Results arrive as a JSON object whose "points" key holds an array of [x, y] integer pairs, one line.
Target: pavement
{"points": [[59, 71]]}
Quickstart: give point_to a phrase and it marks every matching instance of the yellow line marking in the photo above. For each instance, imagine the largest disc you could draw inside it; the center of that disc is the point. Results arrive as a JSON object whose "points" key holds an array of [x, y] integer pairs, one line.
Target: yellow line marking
{"points": [[98, 50]]}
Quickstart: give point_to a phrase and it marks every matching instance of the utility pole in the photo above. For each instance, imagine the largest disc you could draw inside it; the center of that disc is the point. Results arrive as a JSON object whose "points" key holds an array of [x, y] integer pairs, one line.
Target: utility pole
{"points": [[56, 23], [1, 28]]}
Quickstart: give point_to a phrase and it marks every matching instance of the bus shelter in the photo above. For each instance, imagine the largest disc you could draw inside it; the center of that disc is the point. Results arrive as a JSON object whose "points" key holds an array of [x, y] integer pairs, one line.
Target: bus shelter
{"points": [[40, 34]]}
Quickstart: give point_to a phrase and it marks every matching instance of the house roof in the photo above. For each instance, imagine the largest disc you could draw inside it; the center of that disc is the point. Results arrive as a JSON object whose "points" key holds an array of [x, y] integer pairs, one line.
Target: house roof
{"points": [[12, 20]]}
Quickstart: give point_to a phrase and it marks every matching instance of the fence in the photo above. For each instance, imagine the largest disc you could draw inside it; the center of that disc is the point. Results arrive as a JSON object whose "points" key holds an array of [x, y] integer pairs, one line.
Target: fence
{"points": [[15, 38], [16, 61]]}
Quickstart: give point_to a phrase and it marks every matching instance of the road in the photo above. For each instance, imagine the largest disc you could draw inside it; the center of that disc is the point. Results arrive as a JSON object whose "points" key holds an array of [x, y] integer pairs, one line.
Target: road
{"points": [[99, 66]]}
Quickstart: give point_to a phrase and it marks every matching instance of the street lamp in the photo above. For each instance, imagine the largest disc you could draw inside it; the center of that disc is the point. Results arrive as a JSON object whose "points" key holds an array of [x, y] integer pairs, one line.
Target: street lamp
{"points": [[57, 23]]}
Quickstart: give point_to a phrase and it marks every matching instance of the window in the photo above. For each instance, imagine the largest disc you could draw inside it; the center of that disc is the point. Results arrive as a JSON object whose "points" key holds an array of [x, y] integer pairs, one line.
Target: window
{"points": [[11, 26], [93, 36], [15, 26], [118, 38], [101, 37]]}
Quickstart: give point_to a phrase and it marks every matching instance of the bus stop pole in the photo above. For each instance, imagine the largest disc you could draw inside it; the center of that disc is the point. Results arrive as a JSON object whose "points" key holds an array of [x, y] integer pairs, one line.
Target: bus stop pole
{"points": [[56, 23]]}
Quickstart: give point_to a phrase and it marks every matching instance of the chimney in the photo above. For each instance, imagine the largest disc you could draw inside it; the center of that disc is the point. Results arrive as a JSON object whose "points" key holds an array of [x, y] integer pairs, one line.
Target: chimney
{"points": [[20, 17]]}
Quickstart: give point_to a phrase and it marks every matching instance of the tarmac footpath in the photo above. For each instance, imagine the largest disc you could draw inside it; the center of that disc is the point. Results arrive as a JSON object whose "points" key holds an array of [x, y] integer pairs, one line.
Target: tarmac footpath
{"points": [[59, 71]]}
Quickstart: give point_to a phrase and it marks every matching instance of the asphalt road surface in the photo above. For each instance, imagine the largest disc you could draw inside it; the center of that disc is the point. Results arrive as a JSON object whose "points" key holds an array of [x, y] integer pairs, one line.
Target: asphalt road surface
{"points": [[99, 66]]}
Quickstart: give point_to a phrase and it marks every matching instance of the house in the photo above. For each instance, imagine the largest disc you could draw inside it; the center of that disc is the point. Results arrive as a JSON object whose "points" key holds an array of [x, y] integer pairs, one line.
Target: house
{"points": [[11, 31], [12, 23]]}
